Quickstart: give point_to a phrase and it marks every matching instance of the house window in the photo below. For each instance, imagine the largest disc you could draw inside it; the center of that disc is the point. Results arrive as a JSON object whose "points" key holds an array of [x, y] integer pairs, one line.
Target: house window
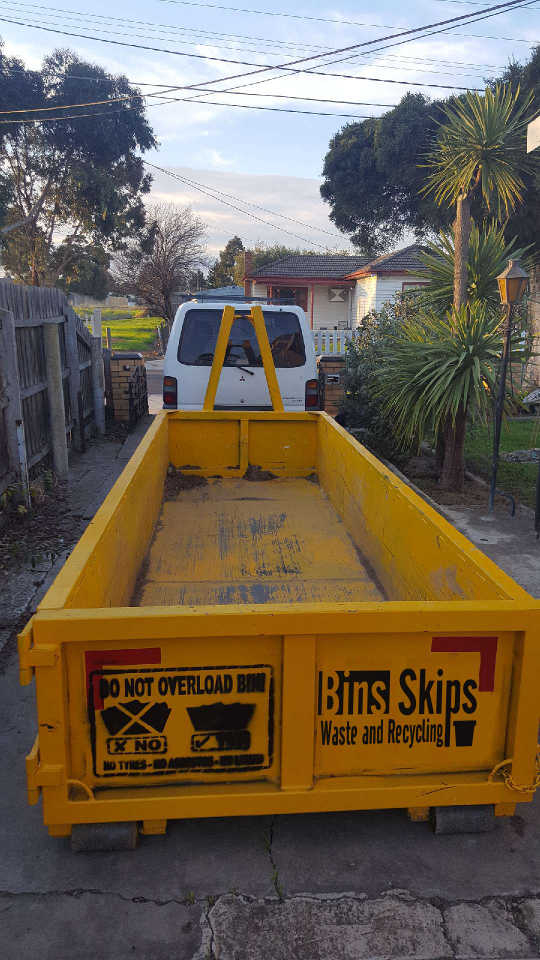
{"points": [[409, 285]]}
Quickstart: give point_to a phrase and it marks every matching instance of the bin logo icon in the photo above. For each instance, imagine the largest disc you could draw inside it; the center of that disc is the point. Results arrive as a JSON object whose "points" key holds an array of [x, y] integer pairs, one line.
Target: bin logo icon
{"points": [[135, 718], [221, 726]]}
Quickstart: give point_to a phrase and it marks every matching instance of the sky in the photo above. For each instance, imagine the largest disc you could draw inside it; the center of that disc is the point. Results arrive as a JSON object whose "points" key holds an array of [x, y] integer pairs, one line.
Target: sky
{"points": [[261, 156]]}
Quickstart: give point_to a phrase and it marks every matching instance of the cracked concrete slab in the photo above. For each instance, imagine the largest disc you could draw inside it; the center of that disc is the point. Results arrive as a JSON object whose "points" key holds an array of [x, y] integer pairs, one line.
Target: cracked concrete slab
{"points": [[370, 852], [529, 912], [88, 926], [485, 930], [307, 928]]}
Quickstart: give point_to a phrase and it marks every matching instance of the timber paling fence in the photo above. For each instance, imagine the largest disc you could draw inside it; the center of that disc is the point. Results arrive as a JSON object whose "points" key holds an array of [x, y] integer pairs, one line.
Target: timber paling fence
{"points": [[51, 381]]}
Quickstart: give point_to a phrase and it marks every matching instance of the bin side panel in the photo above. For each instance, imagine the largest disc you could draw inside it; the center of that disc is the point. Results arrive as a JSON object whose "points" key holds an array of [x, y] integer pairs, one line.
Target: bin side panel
{"points": [[416, 553], [205, 447], [225, 444], [287, 449], [412, 703], [103, 568], [147, 715]]}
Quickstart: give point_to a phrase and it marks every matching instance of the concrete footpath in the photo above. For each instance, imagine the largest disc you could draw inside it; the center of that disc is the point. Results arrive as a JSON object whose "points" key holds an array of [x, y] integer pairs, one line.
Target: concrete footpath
{"points": [[342, 886]]}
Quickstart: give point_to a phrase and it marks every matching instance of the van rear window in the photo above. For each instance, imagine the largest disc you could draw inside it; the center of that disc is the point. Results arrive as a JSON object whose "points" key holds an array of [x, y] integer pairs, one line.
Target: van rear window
{"points": [[200, 331]]}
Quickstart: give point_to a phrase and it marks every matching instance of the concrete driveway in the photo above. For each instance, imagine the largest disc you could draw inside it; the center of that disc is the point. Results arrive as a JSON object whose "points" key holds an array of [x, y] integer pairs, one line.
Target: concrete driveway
{"points": [[320, 887]]}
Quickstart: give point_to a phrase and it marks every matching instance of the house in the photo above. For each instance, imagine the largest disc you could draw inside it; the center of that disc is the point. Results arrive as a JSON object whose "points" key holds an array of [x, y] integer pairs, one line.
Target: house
{"points": [[336, 291]]}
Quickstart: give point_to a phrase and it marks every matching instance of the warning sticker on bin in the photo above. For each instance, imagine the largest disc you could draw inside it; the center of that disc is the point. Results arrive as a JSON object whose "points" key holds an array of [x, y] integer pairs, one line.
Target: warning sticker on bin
{"points": [[171, 721]]}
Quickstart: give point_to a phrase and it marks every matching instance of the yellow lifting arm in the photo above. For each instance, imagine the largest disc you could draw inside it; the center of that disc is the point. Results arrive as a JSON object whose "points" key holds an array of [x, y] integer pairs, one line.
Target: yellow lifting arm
{"points": [[257, 319]]}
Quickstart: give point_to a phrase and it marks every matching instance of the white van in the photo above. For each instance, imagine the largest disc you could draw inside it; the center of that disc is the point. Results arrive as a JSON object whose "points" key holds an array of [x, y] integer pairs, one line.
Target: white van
{"points": [[242, 384]]}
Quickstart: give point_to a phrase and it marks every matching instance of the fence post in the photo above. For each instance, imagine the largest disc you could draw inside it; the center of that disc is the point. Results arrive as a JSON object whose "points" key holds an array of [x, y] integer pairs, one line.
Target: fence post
{"points": [[55, 391], [98, 376], [9, 372], [72, 356]]}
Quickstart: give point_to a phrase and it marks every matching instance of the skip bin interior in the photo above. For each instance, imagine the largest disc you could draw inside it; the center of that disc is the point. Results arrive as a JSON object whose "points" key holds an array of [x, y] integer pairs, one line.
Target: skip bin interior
{"points": [[265, 508]]}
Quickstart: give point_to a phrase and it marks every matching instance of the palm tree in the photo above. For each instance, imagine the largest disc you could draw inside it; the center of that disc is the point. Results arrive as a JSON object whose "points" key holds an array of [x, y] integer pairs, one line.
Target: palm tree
{"points": [[489, 253], [479, 151], [437, 371]]}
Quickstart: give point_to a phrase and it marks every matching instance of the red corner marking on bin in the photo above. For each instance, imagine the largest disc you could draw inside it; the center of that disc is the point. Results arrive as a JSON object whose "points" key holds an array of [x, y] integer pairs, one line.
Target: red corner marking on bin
{"points": [[96, 659], [485, 646]]}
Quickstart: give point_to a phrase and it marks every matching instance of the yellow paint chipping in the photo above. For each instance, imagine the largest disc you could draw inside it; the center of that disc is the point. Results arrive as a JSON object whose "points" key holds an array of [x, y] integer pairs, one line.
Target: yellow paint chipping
{"points": [[240, 541]]}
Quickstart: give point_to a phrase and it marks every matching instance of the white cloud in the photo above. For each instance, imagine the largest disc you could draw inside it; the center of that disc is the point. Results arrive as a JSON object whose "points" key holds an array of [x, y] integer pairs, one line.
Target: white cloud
{"points": [[296, 197]]}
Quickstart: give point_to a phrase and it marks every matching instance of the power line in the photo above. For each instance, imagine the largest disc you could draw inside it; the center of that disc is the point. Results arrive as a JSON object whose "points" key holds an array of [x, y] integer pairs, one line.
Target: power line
{"points": [[487, 12], [201, 189], [294, 64], [517, 3], [244, 63], [339, 21], [241, 37], [256, 206], [167, 88], [201, 103]]}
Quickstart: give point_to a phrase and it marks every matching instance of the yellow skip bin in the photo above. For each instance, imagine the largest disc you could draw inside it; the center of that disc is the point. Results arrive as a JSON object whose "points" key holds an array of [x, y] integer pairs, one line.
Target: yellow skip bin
{"points": [[262, 619]]}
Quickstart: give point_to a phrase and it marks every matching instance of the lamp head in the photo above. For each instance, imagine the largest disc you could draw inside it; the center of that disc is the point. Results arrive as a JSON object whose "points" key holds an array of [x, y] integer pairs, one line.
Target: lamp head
{"points": [[512, 283]]}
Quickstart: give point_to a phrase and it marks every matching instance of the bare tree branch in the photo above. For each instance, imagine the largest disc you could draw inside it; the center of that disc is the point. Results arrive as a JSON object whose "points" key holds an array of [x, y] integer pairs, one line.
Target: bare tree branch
{"points": [[165, 260]]}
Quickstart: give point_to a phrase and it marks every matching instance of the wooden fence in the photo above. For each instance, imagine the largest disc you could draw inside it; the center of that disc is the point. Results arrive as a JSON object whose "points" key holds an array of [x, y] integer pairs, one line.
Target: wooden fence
{"points": [[48, 380]]}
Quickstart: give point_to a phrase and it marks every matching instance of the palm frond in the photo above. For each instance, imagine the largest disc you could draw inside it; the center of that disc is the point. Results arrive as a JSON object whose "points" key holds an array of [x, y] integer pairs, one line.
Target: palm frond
{"points": [[481, 143], [439, 365], [488, 255]]}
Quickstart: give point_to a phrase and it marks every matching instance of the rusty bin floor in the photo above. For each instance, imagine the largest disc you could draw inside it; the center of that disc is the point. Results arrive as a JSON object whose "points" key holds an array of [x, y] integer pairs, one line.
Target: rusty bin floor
{"points": [[241, 541]]}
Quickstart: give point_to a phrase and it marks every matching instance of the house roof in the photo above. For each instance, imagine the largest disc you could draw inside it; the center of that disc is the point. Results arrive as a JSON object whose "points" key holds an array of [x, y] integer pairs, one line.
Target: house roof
{"points": [[326, 266], [331, 266], [406, 260]]}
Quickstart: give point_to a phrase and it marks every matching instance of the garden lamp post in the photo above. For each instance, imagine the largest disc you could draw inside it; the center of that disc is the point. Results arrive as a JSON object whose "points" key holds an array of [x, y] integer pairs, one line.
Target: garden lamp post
{"points": [[512, 285]]}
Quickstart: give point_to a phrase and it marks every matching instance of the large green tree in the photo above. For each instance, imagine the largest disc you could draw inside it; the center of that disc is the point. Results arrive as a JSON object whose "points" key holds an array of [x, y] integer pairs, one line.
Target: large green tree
{"points": [[373, 172], [88, 273], [372, 178], [221, 273], [71, 182]]}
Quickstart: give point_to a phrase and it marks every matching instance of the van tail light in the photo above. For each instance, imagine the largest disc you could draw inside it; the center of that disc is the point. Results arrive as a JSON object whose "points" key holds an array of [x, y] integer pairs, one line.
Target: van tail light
{"points": [[312, 394], [170, 392]]}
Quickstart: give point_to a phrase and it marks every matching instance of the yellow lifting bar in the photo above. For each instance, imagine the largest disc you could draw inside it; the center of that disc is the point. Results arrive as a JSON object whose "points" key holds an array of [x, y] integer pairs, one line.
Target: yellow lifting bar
{"points": [[257, 319]]}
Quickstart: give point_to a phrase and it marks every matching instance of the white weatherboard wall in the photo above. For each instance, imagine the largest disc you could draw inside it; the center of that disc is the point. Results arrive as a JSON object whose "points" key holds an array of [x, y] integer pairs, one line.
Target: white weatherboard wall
{"points": [[371, 293], [328, 314]]}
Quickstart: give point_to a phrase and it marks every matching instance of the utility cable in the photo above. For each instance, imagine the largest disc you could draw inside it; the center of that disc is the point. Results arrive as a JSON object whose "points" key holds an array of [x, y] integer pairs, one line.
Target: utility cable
{"points": [[201, 103], [244, 63], [257, 206], [520, 3], [128, 21], [339, 21], [405, 35], [226, 203]]}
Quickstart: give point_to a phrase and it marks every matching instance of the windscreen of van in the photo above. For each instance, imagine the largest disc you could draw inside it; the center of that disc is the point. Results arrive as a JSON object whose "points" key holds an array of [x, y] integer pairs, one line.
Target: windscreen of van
{"points": [[200, 331]]}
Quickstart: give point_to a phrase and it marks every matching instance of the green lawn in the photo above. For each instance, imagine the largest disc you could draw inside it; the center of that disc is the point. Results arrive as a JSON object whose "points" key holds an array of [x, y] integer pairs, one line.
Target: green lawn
{"points": [[519, 479], [129, 331]]}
